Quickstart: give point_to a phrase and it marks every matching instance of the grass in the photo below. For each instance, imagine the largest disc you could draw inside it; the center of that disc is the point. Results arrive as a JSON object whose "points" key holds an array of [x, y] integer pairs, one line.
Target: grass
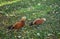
{"points": [[12, 11], [8, 2]]}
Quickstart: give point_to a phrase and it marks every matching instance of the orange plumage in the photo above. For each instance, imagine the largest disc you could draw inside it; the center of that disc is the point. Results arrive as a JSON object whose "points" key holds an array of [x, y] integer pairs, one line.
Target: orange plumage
{"points": [[19, 24], [38, 21]]}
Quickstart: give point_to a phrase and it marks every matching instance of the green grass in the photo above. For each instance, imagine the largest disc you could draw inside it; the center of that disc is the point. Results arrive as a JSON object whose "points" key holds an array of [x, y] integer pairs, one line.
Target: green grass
{"points": [[7, 2], [12, 11]]}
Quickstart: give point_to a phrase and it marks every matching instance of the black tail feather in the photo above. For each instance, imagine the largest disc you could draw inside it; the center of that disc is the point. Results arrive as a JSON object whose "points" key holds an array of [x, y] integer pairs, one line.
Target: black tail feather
{"points": [[31, 24], [11, 27]]}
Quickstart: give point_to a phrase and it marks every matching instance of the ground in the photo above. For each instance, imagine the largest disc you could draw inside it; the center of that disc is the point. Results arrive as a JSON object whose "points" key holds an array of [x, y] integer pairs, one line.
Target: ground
{"points": [[12, 10]]}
